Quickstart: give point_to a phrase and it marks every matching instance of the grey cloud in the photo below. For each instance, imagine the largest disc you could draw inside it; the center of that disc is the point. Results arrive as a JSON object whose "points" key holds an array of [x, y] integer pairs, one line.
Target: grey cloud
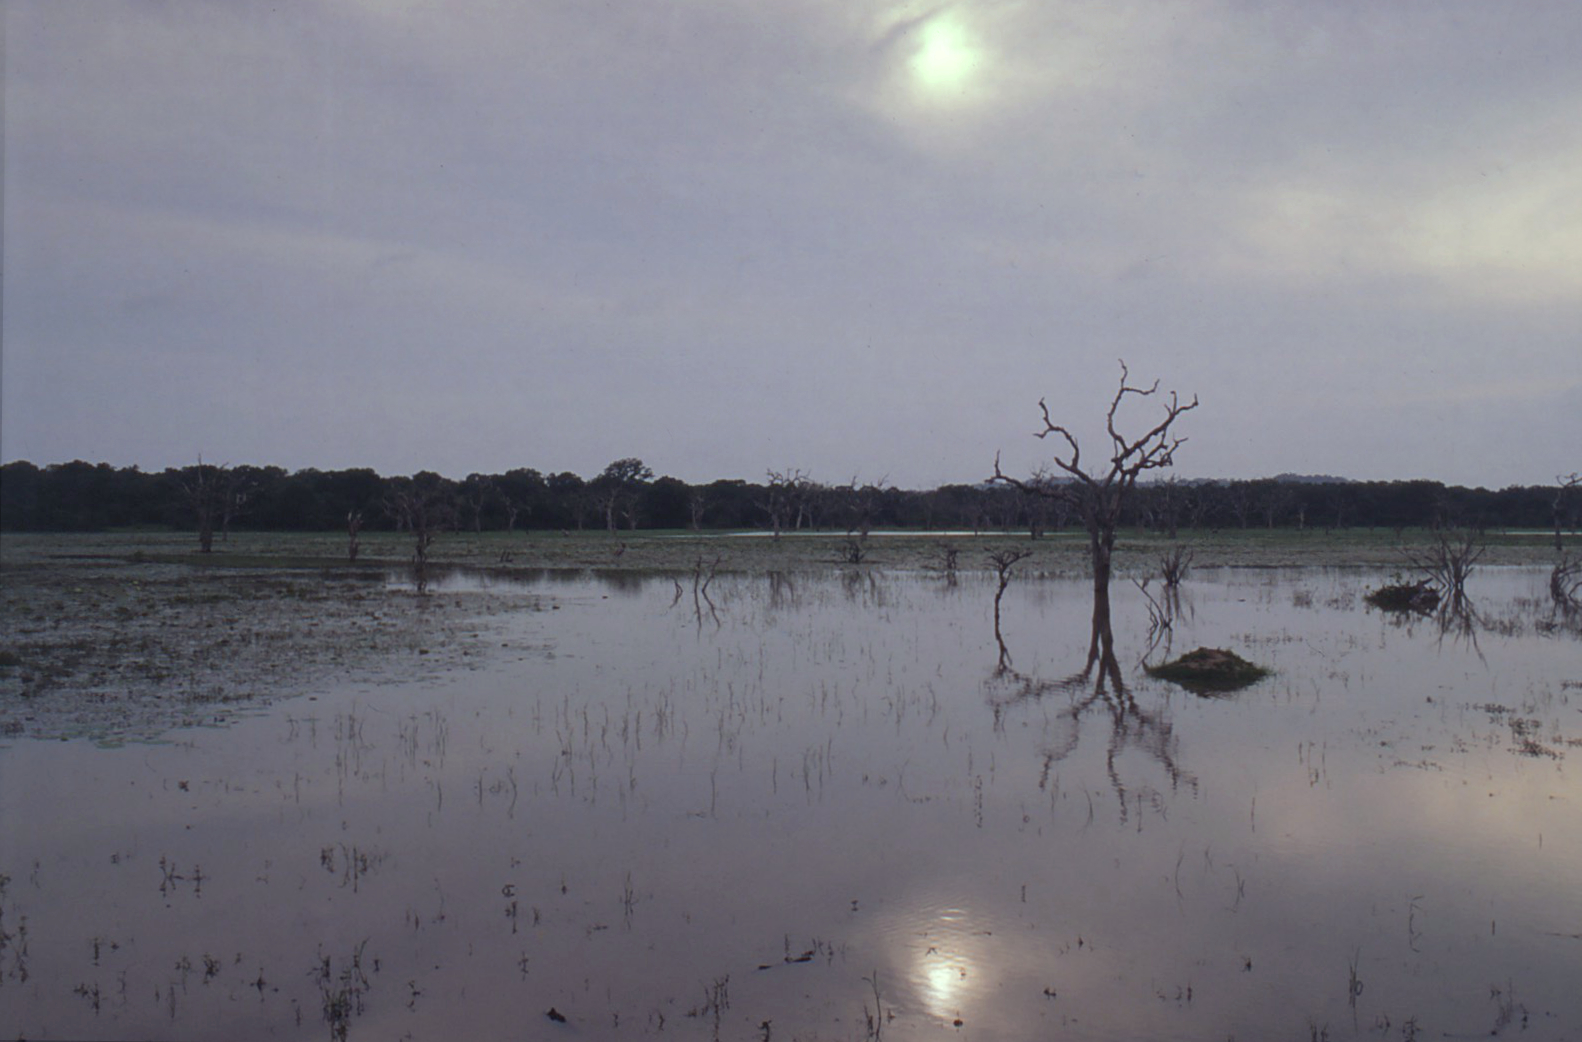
{"points": [[728, 236]]}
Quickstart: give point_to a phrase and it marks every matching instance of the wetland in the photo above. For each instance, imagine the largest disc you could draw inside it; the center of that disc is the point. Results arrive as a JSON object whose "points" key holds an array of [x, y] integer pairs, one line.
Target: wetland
{"points": [[729, 788]]}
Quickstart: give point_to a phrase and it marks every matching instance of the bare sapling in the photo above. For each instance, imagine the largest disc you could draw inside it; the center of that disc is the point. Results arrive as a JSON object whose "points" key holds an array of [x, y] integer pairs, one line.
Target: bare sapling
{"points": [[1448, 561], [1174, 564]]}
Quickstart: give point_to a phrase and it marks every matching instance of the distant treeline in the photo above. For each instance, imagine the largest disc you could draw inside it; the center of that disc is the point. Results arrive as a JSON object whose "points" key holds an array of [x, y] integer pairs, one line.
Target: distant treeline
{"points": [[85, 497]]}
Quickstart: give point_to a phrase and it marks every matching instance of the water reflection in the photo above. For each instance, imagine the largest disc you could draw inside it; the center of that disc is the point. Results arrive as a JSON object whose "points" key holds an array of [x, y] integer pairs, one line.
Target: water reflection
{"points": [[1130, 726], [948, 964], [782, 591], [1099, 687], [631, 827], [1460, 621]]}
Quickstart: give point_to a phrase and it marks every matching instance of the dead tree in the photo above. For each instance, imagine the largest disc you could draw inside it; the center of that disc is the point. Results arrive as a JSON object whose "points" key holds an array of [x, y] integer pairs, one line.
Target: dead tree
{"points": [[1098, 495], [1448, 561], [206, 488], [782, 495], [425, 506]]}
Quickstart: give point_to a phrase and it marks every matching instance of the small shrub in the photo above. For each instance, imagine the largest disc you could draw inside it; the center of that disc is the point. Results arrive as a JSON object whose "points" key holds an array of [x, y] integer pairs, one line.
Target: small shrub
{"points": [[1421, 597]]}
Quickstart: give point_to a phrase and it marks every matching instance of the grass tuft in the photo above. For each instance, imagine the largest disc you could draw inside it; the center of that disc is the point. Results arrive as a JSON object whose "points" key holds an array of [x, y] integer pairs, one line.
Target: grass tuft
{"points": [[1209, 671]]}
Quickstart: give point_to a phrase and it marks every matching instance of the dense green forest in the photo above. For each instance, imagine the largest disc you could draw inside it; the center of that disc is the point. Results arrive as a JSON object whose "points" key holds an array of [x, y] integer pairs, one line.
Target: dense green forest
{"points": [[83, 497]]}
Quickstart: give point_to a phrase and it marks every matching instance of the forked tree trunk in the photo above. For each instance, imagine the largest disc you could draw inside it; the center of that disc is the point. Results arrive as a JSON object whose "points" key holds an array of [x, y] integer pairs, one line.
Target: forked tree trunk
{"points": [[1101, 643], [1100, 495]]}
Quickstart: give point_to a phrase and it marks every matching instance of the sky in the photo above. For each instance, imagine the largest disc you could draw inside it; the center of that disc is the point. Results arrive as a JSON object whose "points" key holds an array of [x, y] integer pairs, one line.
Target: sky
{"points": [[860, 240]]}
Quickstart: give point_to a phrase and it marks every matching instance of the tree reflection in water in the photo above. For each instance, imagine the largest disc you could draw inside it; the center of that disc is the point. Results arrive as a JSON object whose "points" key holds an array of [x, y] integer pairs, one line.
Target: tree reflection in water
{"points": [[1099, 688]]}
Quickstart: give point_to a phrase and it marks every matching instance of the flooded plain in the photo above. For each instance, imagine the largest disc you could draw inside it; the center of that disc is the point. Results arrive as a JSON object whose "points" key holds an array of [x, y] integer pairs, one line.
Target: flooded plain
{"points": [[812, 806]]}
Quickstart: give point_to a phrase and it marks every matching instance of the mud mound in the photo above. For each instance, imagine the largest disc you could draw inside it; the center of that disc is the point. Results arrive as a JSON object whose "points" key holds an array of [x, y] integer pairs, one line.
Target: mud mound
{"points": [[1210, 671]]}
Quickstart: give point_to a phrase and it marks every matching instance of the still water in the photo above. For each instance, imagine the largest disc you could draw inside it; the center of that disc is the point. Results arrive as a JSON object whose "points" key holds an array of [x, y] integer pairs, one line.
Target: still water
{"points": [[815, 809]]}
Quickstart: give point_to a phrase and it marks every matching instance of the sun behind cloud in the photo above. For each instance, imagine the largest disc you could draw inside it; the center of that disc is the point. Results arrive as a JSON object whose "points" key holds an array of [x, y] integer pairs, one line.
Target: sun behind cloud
{"points": [[947, 59]]}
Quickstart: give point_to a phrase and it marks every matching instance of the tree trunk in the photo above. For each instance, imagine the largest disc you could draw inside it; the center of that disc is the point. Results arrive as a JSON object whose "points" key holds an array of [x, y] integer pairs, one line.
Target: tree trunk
{"points": [[1102, 642]]}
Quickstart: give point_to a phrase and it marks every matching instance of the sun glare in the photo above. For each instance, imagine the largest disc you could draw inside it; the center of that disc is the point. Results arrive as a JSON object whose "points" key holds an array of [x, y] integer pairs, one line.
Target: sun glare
{"points": [[945, 59]]}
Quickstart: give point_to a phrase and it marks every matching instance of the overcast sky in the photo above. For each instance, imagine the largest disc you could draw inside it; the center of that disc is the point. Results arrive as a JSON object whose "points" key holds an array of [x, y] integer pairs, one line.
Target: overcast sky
{"points": [[854, 238]]}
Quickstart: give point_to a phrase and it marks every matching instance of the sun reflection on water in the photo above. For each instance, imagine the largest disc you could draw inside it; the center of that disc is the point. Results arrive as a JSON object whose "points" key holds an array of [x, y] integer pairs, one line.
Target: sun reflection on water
{"points": [[947, 960]]}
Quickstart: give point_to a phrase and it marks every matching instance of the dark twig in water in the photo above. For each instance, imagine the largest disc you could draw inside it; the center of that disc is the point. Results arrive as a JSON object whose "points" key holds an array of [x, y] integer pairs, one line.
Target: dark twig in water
{"points": [[1003, 560]]}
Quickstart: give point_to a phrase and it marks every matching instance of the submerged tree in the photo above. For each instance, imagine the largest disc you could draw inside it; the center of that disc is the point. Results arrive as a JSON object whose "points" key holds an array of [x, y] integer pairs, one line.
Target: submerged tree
{"points": [[1098, 494]]}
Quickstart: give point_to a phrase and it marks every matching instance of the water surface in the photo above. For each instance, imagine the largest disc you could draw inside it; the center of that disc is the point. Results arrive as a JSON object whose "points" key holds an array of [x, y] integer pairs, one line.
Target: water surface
{"points": [[815, 809]]}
